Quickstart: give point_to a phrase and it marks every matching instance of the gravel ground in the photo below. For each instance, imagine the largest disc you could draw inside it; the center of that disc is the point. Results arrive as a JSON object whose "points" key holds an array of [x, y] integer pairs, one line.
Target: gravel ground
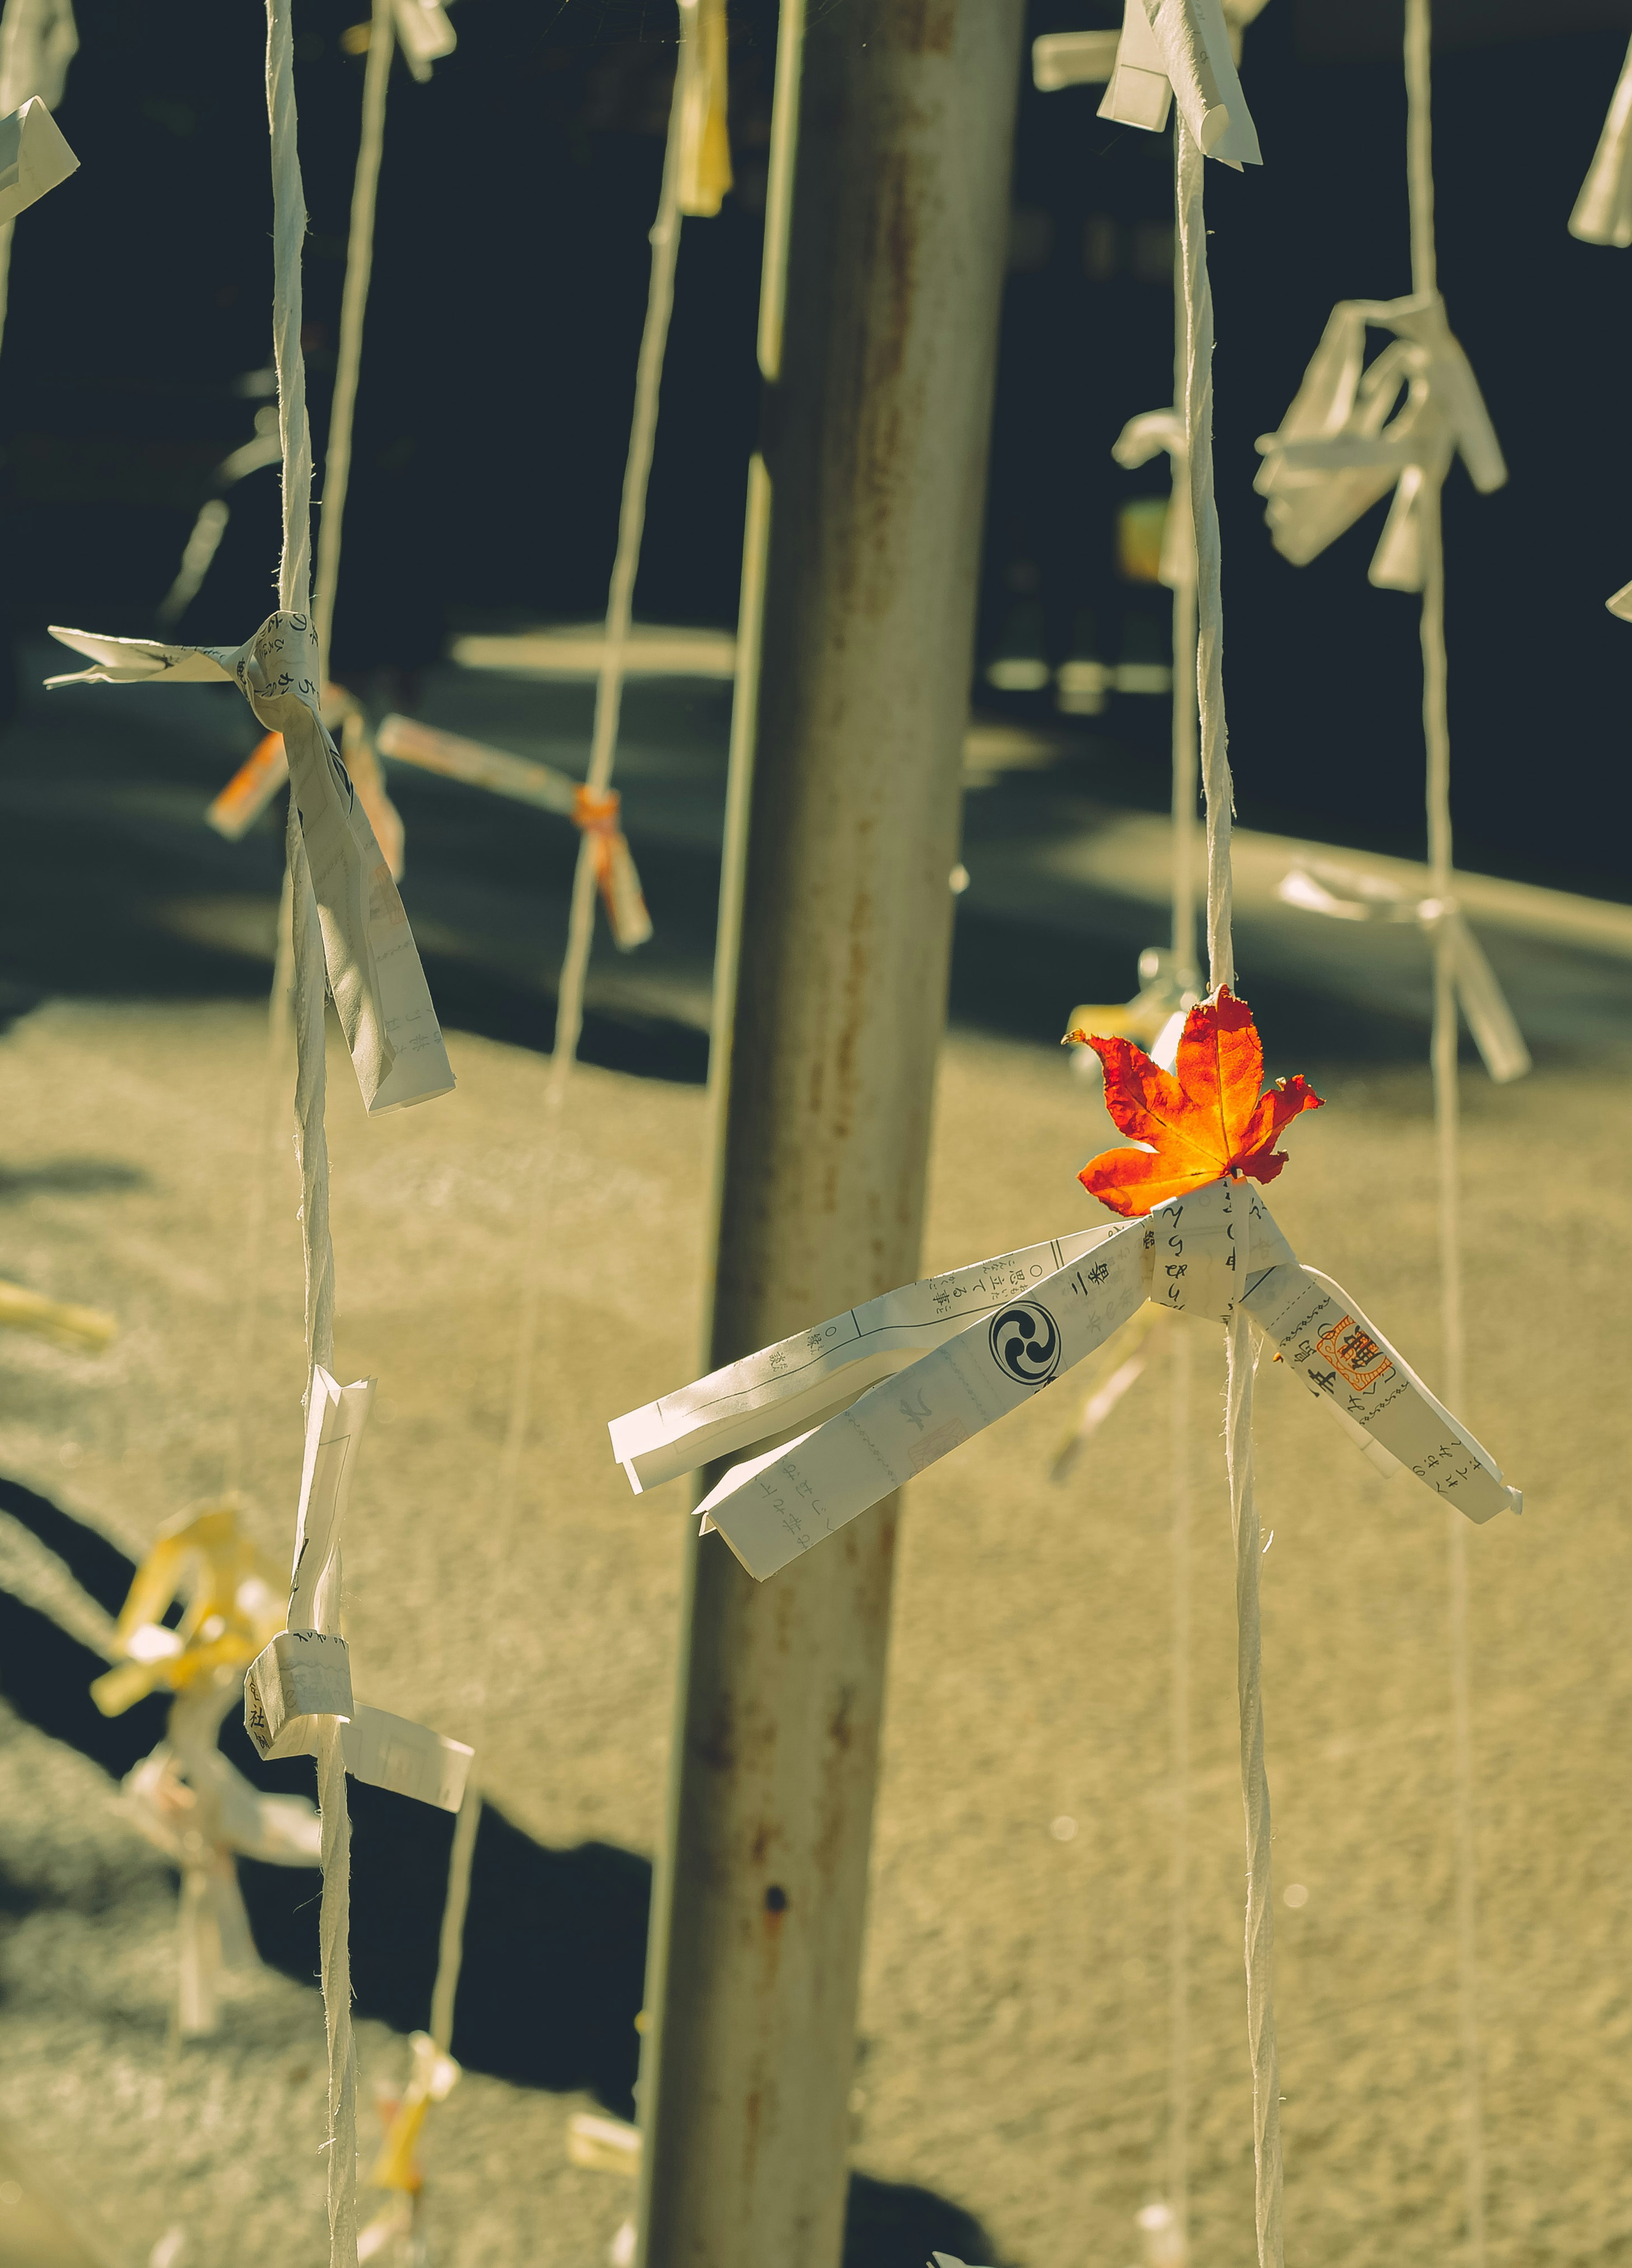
{"points": [[1016, 2012]]}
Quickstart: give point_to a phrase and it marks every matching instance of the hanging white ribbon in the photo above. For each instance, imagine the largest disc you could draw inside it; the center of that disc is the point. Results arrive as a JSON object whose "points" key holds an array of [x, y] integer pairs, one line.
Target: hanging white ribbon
{"points": [[1348, 437], [1342, 895]]}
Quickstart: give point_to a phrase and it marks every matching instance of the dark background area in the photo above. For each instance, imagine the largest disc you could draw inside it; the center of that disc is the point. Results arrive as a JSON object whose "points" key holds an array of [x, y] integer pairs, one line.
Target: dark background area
{"points": [[508, 286]]}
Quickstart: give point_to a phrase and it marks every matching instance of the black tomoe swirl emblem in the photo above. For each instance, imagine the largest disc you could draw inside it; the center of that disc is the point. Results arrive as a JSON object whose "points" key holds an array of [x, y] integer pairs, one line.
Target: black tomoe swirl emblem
{"points": [[1025, 1342]]}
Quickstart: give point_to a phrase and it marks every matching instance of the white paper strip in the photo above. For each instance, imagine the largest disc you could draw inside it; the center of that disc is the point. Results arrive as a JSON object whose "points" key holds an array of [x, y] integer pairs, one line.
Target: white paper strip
{"points": [[374, 970], [808, 1376], [1073, 59], [1204, 1252], [1343, 1359], [410, 1759], [495, 769], [778, 1505], [34, 157], [1140, 93]]}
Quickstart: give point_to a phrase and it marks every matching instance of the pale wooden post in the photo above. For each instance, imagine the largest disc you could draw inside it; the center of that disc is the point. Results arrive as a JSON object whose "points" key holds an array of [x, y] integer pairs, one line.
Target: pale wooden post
{"points": [[836, 932]]}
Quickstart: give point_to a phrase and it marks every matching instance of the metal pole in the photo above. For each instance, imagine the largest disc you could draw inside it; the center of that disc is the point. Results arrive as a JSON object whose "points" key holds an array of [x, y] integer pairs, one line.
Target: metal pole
{"points": [[874, 445]]}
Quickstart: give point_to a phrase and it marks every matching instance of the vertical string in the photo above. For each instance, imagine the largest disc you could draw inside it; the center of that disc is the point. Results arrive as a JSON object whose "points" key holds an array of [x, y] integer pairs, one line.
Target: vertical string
{"points": [[1198, 417], [288, 230], [570, 994], [1447, 1130], [353, 303], [1180, 1380], [289, 226], [1184, 777], [1179, 1700], [1198, 319], [279, 1008]]}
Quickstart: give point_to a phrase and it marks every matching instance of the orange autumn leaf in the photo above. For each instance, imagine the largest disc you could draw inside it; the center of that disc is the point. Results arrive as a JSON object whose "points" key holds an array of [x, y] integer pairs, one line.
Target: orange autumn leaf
{"points": [[1204, 1119]]}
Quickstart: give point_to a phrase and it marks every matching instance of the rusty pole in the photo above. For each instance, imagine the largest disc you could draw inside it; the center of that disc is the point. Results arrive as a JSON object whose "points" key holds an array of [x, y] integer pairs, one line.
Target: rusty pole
{"points": [[877, 411]]}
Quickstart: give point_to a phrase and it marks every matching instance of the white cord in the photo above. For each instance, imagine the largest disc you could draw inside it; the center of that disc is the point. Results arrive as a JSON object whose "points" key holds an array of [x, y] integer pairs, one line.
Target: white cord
{"points": [[288, 227], [1198, 318], [353, 303], [1178, 1702], [1447, 1129], [570, 992], [288, 230]]}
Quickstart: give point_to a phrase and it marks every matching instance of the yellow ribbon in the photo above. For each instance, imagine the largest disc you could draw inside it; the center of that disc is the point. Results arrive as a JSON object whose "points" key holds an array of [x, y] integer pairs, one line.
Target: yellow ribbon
{"points": [[432, 2080], [234, 1608]]}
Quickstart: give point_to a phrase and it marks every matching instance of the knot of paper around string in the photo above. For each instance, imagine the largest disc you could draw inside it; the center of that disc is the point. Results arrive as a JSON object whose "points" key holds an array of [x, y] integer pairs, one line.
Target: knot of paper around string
{"points": [[595, 814], [371, 961], [1320, 886], [889, 1389], [1348, 437]]}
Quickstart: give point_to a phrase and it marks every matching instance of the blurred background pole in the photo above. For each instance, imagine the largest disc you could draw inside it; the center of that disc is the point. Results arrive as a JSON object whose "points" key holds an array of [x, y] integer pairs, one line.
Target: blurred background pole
{"points": [[836, 917]]}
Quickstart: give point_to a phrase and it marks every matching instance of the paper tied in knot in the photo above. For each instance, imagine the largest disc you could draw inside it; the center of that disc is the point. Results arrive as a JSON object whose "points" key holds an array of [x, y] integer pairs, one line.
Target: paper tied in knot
{"points": [[305, 1674], [232, 1608], [596, 814], [372, 963], [1182, 51], [1203, 1253], [1349, 437], [895, 1386], [1342, 894]]}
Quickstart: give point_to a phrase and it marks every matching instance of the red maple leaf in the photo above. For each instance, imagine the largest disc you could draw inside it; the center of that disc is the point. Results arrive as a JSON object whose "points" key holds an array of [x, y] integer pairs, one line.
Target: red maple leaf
{"points": [[1206, 1118]]}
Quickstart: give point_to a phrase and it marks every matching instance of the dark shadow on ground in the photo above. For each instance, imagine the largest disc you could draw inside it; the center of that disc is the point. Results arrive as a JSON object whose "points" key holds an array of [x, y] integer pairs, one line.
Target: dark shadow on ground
{"points": [[555, 1939]]}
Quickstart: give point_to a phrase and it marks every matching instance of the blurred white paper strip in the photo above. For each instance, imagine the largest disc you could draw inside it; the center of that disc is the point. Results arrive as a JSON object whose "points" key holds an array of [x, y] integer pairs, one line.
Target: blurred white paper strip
{"points": [[393, 1752], [79, 1331], [374, 970], [1603, 213], [1336, 453], [423, 33], [477, 765], [1204, 1253], [33, 158], [1182, 48], [549, 789], [251, 788], [818, 1371], [38, 40], [703, 155], [1136, 444], [1073, 59], [1343, 895]]}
